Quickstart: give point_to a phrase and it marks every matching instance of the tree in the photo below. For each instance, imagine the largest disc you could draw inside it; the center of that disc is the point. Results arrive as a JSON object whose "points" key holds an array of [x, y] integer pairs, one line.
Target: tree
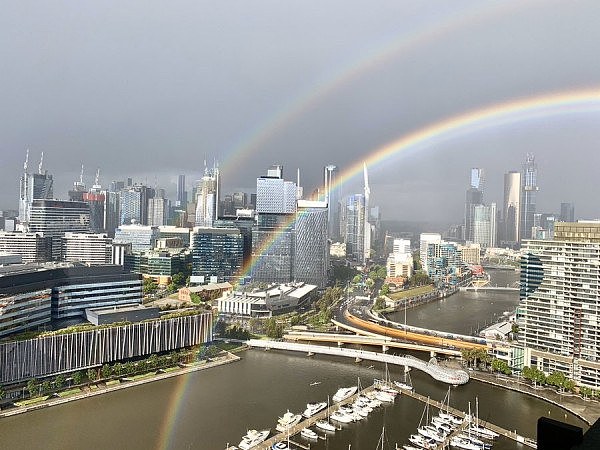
{"points": [[419, 278], [46, 386], [379, 304], [59, 381], [152, 361], [178, 279], [77, 377], [212, 351], [273, 329], [118, 369], [33, 387], [91, 374], [106, 371], [195, 298], [149, 286], [220, 327], [385, 289], [357, 279], [295, 320]]}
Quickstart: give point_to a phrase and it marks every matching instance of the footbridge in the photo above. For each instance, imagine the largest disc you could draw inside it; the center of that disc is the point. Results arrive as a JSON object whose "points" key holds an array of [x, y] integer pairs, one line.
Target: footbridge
{"points": [[443, 374], [385, 342], [487, 288]]}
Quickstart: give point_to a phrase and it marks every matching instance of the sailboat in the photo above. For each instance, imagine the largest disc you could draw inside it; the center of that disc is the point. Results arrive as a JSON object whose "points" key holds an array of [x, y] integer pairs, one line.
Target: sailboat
{"points": [[479, 430], [325, 424], [407, 386]]}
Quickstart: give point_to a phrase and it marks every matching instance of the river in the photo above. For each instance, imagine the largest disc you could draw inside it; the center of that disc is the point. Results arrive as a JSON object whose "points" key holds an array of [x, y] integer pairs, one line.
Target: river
{"points": [[210, 408]]}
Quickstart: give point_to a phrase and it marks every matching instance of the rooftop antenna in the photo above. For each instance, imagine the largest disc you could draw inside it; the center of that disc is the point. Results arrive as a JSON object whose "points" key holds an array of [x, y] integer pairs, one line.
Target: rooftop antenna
{"points": [[41, 162], [366, 178], [97, 179], [26, 160]]}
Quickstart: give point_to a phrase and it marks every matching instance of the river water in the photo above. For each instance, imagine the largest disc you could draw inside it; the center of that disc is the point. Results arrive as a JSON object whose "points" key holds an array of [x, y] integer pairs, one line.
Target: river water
{"points": [[210, 408]]}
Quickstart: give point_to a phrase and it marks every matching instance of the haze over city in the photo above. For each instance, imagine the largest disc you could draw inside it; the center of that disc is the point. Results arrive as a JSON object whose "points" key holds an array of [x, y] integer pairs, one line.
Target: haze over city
{"points": [[150, 90]]}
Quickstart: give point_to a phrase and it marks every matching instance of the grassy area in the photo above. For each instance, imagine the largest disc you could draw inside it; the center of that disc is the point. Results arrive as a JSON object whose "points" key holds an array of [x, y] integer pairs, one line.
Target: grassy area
{"points": [[142, 376], [171, 369], [228, 346], [411, 292], [69, 392], [33, 401], [112, 383]]}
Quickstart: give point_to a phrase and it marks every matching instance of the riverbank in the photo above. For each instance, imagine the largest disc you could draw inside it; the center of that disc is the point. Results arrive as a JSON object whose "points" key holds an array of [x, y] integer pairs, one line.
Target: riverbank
{"points": [[587, 410], [99, 390]]}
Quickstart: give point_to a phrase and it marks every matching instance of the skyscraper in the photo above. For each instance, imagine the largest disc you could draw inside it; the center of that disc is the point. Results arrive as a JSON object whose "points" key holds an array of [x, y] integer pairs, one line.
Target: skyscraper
{"points": [[511, 211], [528, 196], [558, 315], [354, 221], [181, 192], [332, 197], [33, 186], [484, 225], [273, 238], [367, 227], [567, 212], [312, 250], [158, 211], [474, 198], [207, 197]]}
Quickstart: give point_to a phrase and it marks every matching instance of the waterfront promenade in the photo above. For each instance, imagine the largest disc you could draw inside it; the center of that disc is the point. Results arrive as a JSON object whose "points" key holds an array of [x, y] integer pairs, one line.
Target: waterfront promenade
{"points": [[587, 410], [103, 389]]}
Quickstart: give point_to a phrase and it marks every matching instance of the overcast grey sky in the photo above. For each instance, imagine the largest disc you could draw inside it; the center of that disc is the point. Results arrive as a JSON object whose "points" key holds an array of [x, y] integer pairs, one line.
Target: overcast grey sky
{"points": [[150, 89]]}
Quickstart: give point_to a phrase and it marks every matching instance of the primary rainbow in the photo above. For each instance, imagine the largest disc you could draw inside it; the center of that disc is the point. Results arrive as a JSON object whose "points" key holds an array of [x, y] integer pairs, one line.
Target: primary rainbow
{"points": [[500, 114], [492, 116]]}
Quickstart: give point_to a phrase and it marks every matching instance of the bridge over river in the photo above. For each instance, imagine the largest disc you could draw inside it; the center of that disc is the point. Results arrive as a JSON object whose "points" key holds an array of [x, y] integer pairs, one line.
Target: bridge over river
{"points": [[443, 374]]}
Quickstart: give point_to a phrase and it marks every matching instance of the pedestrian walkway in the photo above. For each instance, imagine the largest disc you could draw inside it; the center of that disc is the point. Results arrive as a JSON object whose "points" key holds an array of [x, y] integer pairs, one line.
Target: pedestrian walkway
{"points": [[587, 410]]}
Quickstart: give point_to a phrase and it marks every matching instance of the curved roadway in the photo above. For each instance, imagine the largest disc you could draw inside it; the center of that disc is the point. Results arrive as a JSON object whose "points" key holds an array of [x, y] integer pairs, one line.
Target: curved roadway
{"points": [[355, 313]]}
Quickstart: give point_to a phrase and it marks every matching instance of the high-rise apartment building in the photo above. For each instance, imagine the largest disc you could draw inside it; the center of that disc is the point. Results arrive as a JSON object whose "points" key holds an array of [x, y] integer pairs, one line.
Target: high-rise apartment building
{"points": [[96, 199], [484, 225], [130, 207], [511, 211], [158, 211], [424, 240], [274, 195], [559, 315], [528, 196], [312, 249], [354, 221]]}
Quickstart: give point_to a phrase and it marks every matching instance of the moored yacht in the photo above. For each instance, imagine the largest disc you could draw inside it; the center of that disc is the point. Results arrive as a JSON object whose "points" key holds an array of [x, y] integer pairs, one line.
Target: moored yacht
{"points": [[324, 425], [313, 408], [344, 393], [287, 420], [253, 438], [342, 417], [308, 433]]}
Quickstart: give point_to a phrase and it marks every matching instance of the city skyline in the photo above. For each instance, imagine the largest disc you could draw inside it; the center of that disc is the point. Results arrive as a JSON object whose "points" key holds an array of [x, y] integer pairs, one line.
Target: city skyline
{"points": [[135, 99]]}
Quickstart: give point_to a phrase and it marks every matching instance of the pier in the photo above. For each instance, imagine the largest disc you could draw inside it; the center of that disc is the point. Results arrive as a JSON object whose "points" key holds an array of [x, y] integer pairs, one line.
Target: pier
{"points": [[501, 431], [305, 423]]}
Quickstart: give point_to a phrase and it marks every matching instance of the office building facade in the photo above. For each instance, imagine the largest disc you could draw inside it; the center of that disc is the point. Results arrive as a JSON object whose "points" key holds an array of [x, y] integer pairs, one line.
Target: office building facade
{"points": [[141, 237], [32, 247], [217, 254], [87, 248], [312, 249]]}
